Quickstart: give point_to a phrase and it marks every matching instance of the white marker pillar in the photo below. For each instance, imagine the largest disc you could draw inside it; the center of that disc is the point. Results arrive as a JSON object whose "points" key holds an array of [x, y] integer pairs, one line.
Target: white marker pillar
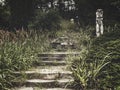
{"points": [[99, 22]]}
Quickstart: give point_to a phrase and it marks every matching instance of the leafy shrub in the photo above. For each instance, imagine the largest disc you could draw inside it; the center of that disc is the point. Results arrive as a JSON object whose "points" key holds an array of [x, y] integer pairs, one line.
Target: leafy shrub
{"points": [[99, 55], [108, 43], [46, 20], [18, 51], [86, 73]]}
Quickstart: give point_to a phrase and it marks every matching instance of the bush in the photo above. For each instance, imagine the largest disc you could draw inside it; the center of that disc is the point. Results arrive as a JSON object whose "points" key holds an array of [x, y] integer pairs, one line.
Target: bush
{"points": [[46, 20], [108, 43], [86, 72], [98, 66], [18, 51]]}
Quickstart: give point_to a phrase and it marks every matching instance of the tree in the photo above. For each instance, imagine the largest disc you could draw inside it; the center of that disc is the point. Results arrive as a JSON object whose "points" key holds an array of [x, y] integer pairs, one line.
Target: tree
{"points": [[87, 8], [21, 12], [4, 15]]}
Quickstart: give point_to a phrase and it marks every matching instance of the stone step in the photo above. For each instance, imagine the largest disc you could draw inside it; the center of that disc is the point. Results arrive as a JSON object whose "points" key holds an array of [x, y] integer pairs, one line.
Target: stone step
{"points": [[57, 54], [57, 89], [60, 83], [62, 46], [64, 50], [46, 73], [38, 88], [51, 63], [51, 74], [52, 58]]}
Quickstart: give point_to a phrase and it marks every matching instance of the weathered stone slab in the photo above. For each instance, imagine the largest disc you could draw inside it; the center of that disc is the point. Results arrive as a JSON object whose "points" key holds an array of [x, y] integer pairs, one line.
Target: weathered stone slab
{"points": [[45, 83], [36, 88], [57, 89], [51, 63], [51, 58], [57, 54]]}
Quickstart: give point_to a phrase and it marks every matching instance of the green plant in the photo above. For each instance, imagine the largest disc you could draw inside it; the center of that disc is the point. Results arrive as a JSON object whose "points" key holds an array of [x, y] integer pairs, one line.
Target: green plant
{"points": [[118, 88], [49, 20], [18, 51], [85, 72], [90, 69], [108, 43]]}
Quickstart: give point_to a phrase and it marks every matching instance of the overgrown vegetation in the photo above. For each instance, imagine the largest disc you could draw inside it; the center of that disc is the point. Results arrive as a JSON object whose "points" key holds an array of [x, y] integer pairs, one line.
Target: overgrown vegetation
{"points": [[18, 51], [109, 43], [98, 66], [43, 20], [18, 14]]}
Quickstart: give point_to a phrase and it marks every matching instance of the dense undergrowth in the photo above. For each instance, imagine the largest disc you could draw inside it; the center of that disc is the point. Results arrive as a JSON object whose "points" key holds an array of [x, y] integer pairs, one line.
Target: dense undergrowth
{"points": [[108, 43], [18, 51], [98, 65]]}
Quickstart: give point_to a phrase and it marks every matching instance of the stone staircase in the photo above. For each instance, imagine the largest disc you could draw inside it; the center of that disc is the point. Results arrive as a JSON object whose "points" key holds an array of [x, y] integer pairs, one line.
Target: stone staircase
{"points": [[50, 73]]}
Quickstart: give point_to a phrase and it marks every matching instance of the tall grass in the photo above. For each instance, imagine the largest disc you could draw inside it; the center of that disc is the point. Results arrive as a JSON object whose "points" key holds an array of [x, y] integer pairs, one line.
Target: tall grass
{"points": [[18, 51], [85, 71]]}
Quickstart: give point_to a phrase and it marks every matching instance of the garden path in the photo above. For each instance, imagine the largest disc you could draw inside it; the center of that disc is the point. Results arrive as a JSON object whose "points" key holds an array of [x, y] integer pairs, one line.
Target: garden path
{"points": [[51, 72]]}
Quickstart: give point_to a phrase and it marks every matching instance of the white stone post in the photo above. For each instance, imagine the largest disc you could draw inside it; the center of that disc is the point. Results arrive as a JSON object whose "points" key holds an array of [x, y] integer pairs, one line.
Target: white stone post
{"points": [[99, 22], [72, 20]]}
